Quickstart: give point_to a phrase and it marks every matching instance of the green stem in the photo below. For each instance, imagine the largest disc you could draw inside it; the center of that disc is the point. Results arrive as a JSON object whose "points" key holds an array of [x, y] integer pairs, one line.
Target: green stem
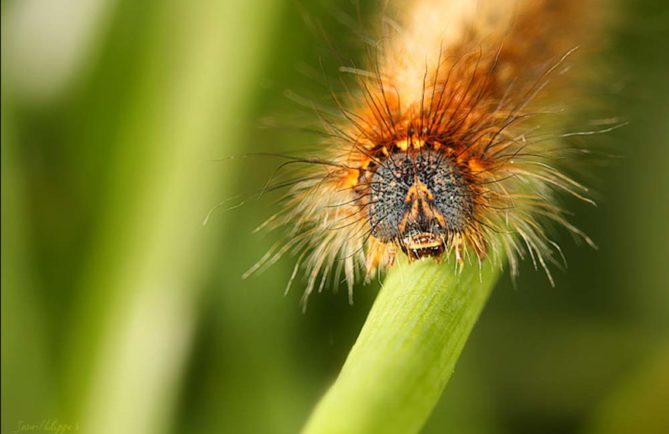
{"points": [[406, 351]]}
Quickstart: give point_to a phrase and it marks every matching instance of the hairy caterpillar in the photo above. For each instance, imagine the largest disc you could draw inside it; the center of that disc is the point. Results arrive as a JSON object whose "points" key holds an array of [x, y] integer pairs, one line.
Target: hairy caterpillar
{"points": [[445, 148]]}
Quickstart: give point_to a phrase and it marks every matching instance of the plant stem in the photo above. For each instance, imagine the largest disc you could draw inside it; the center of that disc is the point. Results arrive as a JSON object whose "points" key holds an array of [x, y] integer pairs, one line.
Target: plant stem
{"points": [[406, 350], [132, 327]]}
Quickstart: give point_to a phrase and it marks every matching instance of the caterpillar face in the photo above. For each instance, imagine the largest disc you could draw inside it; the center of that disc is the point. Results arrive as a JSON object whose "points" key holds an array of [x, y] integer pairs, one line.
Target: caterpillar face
{"points": [[418, 201]]}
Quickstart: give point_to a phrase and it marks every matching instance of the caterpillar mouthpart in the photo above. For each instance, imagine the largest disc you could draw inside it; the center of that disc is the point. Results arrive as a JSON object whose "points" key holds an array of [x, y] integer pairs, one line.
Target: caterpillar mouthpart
{"points": [[423, 245]]}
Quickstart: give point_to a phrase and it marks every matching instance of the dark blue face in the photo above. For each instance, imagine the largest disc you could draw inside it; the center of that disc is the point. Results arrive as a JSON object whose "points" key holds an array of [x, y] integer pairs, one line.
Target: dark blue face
{"points": [[418, 196]]}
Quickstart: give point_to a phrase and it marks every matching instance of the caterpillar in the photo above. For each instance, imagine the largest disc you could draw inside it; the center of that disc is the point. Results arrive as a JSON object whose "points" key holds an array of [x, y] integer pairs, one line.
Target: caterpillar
{"points": [[446, 147]]}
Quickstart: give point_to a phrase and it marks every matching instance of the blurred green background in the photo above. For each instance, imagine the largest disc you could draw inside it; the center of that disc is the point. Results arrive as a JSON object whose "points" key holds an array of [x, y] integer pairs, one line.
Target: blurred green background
{"points": [[121, 313]]}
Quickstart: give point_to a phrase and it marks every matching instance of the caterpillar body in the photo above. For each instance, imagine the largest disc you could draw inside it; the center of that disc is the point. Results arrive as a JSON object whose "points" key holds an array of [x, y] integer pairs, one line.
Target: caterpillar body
{"points": [[443, 150]]}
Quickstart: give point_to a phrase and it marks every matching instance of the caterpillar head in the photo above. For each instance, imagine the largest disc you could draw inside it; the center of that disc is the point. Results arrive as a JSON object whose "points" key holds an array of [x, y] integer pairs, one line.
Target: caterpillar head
{"points": [[418, 201]]}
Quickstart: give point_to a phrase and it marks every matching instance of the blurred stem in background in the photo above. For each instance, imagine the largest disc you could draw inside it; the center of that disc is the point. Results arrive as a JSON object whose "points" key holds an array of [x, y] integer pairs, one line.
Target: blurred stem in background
{"points": [[140, 290], [132, 324]]}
